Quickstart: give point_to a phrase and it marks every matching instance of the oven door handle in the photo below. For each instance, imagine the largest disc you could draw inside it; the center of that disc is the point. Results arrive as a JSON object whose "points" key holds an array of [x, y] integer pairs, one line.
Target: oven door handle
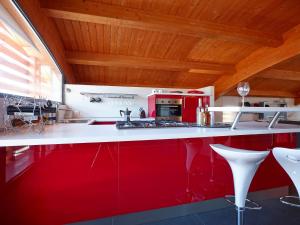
{"points": [[169, 106]]}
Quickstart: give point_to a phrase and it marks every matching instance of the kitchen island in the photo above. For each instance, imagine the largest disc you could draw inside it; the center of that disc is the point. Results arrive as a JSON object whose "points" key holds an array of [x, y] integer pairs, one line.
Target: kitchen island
{"points": [[78, 172], [84, 133]]}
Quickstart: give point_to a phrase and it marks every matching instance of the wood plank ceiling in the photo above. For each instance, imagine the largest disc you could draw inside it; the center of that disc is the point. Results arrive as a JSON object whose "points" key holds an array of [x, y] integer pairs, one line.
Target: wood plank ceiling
{"points": [[180, 43]]}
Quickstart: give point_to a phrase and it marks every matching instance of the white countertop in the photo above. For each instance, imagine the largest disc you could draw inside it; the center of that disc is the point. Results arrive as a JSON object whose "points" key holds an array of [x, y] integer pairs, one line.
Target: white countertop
{"points": [[84, 133]]}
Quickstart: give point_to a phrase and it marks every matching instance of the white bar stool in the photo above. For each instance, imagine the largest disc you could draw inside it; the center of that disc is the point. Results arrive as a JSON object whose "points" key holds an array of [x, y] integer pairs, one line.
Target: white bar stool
{"points": [[243, 164], [289, 160]]}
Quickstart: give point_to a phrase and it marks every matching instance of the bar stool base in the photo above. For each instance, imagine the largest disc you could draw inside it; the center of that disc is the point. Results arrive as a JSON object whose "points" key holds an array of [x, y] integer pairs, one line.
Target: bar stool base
{"points": [[255, 206], [240, 215], [291, 200]]}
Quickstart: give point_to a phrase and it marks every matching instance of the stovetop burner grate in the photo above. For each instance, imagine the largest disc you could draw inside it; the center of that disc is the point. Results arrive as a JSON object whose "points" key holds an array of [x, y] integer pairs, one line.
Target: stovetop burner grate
{"points": [[163, 124]]}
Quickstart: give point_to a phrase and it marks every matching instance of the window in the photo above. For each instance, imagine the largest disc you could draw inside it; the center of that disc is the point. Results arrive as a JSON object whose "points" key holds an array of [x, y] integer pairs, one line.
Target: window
{"points": [[25, 69]]}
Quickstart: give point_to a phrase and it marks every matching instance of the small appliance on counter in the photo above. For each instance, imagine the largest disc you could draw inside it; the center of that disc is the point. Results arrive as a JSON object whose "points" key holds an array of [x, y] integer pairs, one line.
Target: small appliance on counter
{"points": [[64, 112], [126, 115]]}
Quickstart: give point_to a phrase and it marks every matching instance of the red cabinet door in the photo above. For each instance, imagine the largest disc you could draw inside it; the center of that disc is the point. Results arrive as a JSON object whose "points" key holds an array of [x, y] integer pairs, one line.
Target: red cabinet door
{"points": [[59, 184], [189, 107], [151, 175]]}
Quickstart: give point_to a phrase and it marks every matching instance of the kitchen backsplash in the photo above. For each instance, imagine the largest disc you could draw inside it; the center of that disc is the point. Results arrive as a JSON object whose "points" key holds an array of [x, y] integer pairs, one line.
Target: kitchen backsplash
{"points": [[110, 107]]}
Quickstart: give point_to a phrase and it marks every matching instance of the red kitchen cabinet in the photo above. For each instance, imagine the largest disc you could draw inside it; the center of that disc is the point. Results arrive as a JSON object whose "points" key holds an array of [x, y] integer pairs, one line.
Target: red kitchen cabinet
{"points": [[152, 106], [59, 184], [189, 107], [155, 174], [151, 175]]}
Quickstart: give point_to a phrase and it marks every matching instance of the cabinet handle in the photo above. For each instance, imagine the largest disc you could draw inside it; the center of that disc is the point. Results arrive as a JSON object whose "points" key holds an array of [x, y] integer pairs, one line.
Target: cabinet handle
{"points": [[20, 151]]}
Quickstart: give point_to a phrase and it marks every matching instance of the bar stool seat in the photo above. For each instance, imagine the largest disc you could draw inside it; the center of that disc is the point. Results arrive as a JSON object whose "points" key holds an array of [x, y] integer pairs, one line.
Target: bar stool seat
{"points": [[243, 164], [289, 160]]}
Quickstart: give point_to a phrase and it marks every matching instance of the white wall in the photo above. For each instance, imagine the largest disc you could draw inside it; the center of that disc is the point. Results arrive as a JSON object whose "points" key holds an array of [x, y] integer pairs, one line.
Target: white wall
{"points": [[110, 107], [236, 101]]}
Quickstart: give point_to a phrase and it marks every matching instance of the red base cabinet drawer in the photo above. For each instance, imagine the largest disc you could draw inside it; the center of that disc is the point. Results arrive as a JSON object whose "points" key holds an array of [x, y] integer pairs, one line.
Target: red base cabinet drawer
{"points": [[58, 184]]}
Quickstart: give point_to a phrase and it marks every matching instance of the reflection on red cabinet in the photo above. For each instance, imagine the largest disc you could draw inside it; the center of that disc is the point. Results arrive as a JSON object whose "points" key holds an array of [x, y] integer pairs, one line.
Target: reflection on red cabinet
{"points": [[58, 184]]}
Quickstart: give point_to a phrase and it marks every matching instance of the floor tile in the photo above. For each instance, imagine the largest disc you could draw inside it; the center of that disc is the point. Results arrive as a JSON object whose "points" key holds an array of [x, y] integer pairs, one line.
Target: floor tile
{"points": [[272, 213]]}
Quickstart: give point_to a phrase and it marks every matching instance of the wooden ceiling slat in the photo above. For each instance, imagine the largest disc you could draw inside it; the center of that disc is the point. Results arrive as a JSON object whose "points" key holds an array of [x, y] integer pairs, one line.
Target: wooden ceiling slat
{"points": [[77, 36], [128, 17], [86, 35], [260, 60], [86, 58], [93, 37], [292, 64], [220, 51], [107, 39], [99, 38], [140, 77], [280, 74]]}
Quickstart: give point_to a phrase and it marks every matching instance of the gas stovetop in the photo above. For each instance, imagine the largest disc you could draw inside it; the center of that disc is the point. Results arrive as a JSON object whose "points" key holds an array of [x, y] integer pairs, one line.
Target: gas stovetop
{"points": [[162, 124]]}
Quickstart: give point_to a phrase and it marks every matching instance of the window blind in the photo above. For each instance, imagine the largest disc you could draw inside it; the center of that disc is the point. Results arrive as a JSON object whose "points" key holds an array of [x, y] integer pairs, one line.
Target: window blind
{"points": [[24, 70]]}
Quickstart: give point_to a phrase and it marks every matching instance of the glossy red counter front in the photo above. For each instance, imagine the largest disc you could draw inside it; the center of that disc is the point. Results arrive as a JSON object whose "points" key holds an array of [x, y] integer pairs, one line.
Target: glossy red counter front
{"points": [[57, 184]]}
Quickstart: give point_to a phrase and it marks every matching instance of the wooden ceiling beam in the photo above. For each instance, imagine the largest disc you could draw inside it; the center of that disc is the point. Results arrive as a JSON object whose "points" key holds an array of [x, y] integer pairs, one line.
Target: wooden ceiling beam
{"points": [[95, 59], [150, 85], [260, 60], [45, 27], [96, 12], [280, 74]]}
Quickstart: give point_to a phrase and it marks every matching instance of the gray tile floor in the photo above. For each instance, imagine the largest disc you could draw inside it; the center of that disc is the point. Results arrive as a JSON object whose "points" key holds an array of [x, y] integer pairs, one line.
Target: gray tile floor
{"points": [[273, 213]]}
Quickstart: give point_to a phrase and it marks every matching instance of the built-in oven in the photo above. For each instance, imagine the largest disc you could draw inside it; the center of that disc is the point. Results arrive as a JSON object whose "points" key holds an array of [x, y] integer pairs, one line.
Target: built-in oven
{"points": [[168, 109]]}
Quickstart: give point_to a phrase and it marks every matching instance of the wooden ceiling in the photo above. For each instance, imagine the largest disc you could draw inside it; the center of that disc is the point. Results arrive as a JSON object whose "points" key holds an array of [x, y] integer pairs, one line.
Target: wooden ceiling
{"points": [[176, 43]]}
